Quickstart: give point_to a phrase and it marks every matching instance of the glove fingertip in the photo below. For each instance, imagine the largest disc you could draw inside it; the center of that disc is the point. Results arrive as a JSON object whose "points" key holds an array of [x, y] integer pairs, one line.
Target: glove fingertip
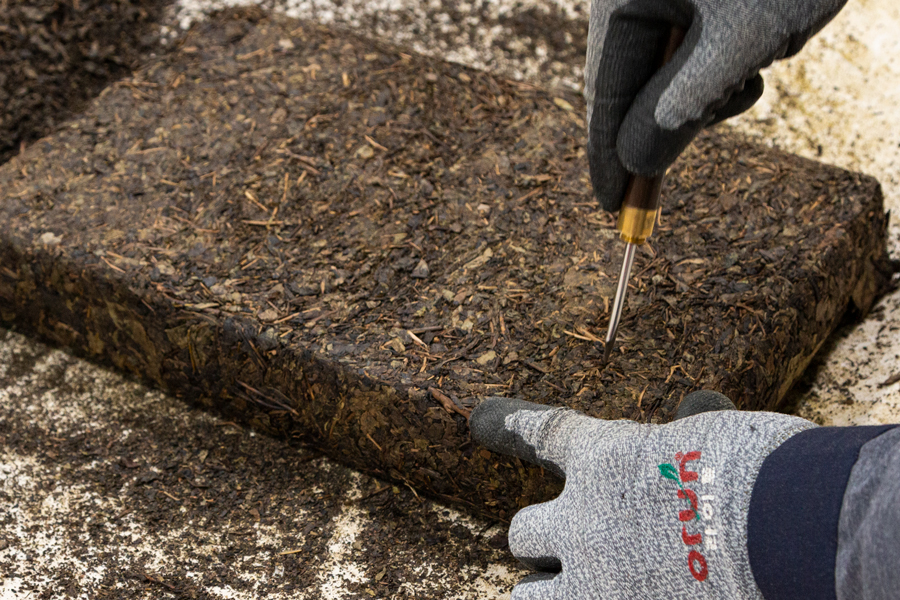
{"points": [[701, 402], [609, 185], [608, 177], [488, 426]]}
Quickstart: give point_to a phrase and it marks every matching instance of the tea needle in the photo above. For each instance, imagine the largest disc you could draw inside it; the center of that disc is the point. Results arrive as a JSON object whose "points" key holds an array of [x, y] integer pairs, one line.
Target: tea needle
{"points": [[637, 217]]}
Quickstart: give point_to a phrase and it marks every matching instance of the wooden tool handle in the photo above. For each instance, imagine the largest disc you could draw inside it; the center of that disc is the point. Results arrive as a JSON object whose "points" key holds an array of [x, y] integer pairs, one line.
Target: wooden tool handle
{"points": [[638, 213]]}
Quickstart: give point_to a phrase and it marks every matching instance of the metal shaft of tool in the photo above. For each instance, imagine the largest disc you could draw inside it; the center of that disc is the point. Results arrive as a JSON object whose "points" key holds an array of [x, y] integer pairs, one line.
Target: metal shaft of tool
{"points": [[638, 214], [619, 302]]}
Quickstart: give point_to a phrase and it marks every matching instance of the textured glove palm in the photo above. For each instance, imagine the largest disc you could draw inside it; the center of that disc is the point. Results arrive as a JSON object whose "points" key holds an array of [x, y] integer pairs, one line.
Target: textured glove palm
{"points": [[648, 511], [641, 118]]}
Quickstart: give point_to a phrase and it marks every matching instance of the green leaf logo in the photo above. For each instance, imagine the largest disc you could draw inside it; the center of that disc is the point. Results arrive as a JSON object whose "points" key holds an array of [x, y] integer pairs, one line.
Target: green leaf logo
{"points": [[669, 471]]}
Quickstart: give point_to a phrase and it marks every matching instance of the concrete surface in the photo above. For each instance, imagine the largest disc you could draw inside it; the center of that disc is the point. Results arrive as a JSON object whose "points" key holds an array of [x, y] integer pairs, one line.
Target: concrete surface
{"points": [[112, 490], [835, 102]]}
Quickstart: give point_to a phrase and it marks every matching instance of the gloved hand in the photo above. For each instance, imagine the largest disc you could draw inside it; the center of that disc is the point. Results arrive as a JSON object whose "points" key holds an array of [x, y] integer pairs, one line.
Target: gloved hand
{"points": [[648, 511], [640, 117]]}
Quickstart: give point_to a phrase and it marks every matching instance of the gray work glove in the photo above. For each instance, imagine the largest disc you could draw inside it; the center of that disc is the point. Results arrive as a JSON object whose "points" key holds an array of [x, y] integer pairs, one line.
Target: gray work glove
{"points": [[641, 117], [648, 511]]}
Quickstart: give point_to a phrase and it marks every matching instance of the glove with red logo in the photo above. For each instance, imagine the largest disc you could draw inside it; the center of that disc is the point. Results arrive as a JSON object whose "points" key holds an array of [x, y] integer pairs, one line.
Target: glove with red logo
{"points": [[648, 511]]}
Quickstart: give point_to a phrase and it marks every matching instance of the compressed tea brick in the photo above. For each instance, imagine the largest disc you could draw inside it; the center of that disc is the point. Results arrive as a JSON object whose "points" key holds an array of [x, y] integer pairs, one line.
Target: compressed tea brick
{"points": [[244, 222]]}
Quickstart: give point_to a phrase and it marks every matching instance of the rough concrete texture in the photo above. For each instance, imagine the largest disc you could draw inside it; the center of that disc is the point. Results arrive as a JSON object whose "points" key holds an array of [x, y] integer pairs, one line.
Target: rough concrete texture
{"points": [[111, 490], [838, 97], [536, 40]]}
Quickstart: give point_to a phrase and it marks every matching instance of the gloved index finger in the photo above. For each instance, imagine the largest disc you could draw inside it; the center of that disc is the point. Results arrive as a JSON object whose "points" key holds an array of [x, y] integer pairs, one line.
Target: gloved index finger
{"points": [[537, 433]]}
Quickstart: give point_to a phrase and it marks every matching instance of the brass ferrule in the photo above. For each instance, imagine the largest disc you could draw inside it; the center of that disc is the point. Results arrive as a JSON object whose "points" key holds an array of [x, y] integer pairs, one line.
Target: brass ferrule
{"points": [[635, 225]]}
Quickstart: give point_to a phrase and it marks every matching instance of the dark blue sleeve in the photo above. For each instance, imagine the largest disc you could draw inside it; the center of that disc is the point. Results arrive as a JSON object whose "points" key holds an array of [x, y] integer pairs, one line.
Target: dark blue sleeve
{"points": [[868, 558], [795, 510]]}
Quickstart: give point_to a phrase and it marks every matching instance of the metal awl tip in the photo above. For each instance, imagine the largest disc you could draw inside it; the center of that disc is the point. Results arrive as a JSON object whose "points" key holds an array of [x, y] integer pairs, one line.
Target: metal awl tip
{"points": [[619, 302], [608, 347]]}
